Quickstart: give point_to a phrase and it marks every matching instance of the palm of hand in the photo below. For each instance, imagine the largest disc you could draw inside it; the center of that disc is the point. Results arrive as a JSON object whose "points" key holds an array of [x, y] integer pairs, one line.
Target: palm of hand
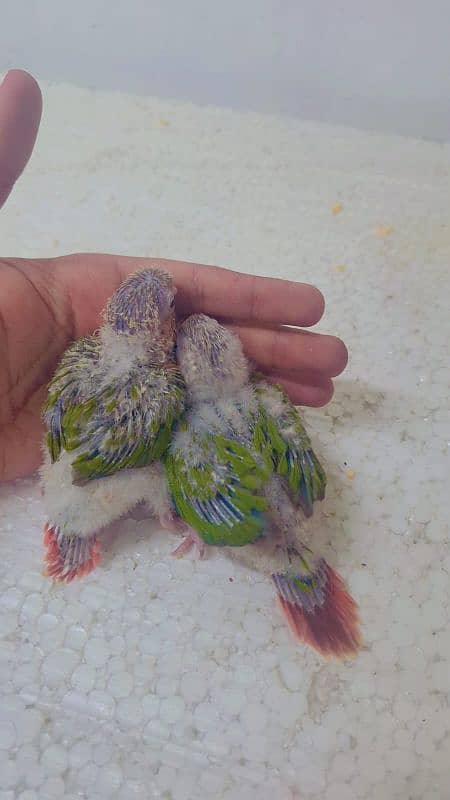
{"points": [[46, 304], [31, 341]]}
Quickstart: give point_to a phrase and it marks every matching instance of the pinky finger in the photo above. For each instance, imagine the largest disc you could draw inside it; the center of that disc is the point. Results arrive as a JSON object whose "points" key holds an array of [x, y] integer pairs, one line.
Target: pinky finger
{"points": [[305, 394]]}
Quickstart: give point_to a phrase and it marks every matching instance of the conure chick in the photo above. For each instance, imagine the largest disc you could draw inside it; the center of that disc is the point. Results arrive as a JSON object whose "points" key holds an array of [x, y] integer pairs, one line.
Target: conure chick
{"points": [[109, 414], [241, 459]]}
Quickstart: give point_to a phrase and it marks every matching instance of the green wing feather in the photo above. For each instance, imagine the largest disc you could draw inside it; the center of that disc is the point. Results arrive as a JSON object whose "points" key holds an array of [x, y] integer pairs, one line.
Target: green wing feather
{"points": [[217, 488], [280, 436], [125, 425], [67, 409], [134, 432]]}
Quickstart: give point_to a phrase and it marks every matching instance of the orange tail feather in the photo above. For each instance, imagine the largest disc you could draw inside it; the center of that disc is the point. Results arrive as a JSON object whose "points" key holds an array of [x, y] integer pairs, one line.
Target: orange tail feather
{"points": [[320, 611], [69, 557]]}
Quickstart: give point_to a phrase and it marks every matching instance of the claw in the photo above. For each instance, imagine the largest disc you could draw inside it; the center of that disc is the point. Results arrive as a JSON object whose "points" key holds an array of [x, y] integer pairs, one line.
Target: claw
{"points": [[170, 522], [191, 539]]}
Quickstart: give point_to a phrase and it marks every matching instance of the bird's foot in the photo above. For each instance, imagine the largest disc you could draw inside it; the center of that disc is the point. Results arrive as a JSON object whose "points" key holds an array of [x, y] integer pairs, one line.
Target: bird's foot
{"points": [[69, 557], [170, 522], [190, 540]]}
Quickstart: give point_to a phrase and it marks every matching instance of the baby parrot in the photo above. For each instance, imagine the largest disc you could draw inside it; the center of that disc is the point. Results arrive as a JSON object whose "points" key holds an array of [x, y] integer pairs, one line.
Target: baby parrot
{"points": [[241, 459], [109, 415]]}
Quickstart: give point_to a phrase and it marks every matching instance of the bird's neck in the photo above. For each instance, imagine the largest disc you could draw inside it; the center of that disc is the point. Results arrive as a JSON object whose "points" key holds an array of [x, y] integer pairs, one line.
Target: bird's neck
{"points": [[122, 351], [215, 390]]}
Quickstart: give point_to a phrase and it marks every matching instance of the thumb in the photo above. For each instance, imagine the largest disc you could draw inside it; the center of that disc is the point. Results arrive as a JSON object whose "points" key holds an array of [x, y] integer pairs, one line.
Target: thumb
{"points": [[20, 115]]}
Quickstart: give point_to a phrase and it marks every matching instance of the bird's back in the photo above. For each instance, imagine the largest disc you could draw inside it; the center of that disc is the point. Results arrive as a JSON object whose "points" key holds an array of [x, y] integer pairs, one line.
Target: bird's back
{"points": [[110, 418], [230, 416]]}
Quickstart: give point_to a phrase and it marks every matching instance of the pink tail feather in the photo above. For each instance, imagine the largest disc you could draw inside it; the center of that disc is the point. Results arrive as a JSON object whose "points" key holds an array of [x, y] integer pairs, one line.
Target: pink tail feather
{"points": [[323, 614], [69, 557]]}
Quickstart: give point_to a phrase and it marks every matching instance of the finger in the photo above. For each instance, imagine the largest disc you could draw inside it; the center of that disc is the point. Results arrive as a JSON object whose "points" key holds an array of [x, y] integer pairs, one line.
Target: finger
{"points": [[281, 350], [305, 394], [234, 295], [206, 289], [20, 115], [87, 281]]}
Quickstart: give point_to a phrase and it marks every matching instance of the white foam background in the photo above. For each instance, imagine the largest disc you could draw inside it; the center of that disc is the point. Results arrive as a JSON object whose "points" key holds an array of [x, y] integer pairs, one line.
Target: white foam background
{"points": [[165, 679]]}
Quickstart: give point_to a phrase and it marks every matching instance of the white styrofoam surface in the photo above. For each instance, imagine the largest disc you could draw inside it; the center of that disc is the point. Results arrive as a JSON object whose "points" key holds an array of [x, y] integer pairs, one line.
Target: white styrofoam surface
{"points": [[159, 678]]}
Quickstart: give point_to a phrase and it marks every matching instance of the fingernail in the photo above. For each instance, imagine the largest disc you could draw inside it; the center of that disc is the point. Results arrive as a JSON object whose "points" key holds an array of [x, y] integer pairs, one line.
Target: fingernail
{"points": [[4, 78]]}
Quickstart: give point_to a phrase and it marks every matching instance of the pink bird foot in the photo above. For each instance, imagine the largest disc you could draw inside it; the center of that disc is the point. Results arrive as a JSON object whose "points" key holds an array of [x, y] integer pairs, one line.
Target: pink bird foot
{"points": [[191, 539], [170, 522]]}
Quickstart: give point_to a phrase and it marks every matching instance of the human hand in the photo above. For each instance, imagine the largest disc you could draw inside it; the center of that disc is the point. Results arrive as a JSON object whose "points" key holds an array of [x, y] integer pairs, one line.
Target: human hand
{"points": [[47, 303]]}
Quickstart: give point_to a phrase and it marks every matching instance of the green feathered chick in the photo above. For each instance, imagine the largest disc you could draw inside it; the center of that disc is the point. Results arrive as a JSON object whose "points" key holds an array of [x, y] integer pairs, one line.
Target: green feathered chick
{"points": [[109, 414], [240, 460]]}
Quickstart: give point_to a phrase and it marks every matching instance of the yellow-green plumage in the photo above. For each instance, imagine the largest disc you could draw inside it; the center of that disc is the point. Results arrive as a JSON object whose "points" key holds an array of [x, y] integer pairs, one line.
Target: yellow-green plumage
{"points": [[214, 470], [236, 435], [221, 497], [112, 424], [282, 436]]}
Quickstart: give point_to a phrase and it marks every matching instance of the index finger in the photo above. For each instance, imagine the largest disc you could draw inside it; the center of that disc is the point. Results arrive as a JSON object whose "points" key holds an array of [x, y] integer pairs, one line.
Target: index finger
{"points": [[232, 295], [90, 279], [248, 298]]}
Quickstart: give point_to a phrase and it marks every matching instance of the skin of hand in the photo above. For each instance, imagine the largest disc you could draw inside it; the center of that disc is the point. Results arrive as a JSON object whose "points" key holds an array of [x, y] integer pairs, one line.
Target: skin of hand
{"points": [[47, 303]]}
